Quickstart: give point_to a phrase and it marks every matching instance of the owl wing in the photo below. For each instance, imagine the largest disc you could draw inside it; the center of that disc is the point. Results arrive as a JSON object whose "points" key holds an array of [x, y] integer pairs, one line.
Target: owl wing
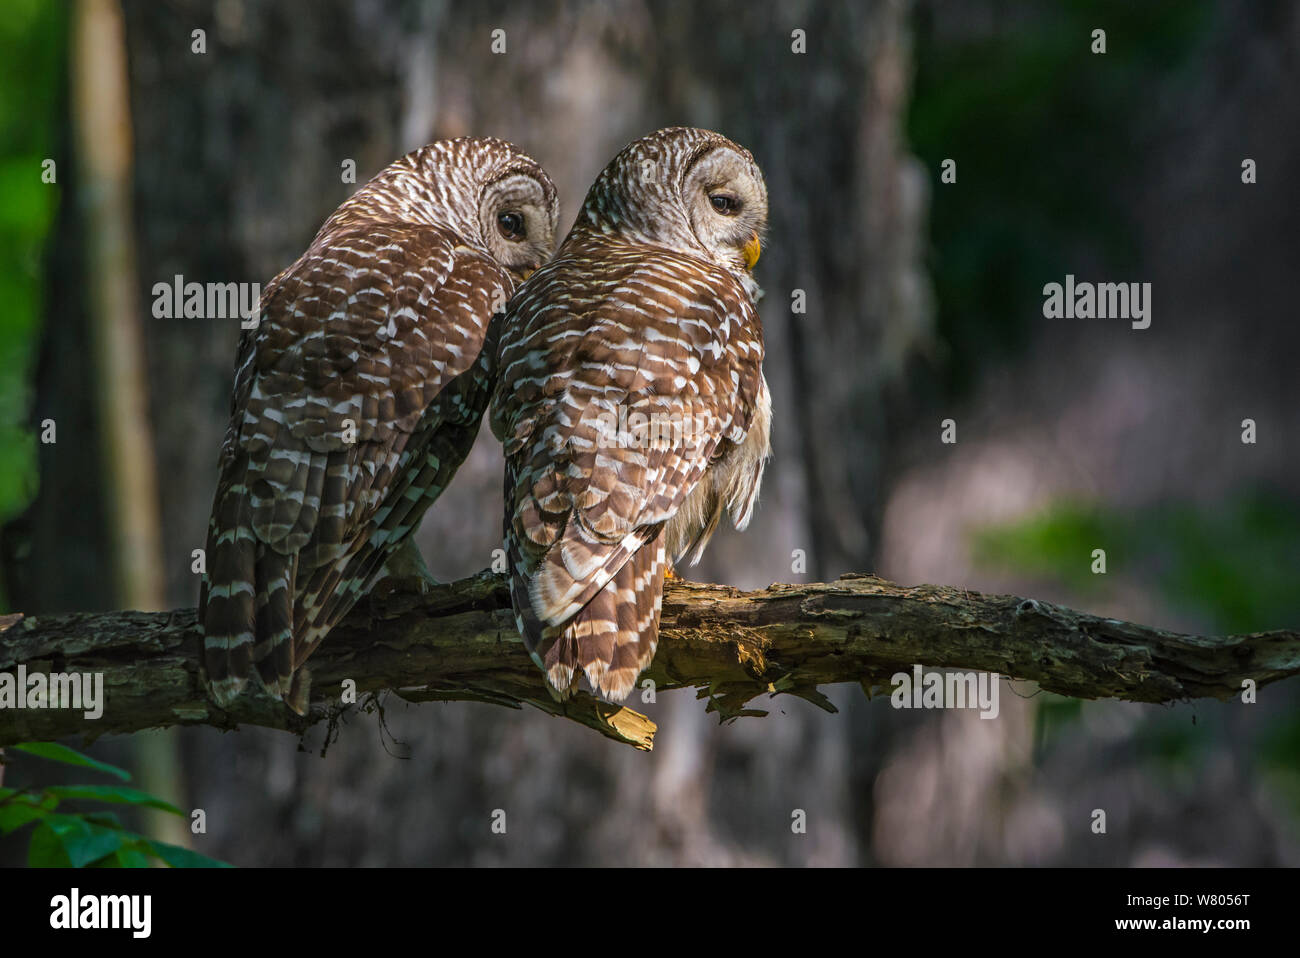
{"points": [[355, 340], [667, 336]]}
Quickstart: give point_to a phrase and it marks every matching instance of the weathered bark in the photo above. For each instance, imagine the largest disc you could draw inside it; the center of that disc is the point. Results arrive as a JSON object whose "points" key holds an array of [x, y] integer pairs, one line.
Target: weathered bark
{"points": [[458, 642]]}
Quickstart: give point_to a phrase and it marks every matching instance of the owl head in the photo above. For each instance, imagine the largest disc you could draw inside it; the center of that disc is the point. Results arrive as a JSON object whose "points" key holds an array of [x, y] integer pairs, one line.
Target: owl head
{"points": [[691, 190], [491, 193], [518, 209]]}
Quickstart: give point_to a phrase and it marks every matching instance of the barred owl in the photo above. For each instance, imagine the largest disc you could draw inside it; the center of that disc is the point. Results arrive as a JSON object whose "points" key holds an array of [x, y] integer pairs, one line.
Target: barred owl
{"points": [[358, 395], [631, 402]]}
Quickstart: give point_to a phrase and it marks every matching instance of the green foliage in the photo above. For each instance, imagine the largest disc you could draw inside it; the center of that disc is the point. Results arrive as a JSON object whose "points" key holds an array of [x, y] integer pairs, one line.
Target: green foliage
{"points": [[1056, 544], [97, 839], [32, 34], [61, 753], [1042, 130], [1234, 564]]}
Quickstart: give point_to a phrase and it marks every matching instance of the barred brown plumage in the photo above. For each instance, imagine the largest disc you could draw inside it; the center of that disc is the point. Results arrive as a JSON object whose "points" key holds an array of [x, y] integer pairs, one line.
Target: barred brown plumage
{"points": [[646, 316], [358, 395]]}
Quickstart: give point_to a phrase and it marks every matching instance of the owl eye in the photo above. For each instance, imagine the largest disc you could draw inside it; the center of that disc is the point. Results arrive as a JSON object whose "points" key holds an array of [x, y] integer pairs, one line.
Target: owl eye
{"points": [[725, 203], [511, 225]]}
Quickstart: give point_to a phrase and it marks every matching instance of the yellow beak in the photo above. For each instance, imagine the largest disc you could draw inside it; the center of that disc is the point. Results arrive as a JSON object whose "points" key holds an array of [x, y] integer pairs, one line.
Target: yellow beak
{"points": [[752, 250]]}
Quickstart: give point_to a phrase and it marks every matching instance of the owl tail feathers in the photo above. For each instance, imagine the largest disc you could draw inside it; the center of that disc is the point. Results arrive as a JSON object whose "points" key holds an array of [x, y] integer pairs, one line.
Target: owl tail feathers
{"points": [[247, 619], [227, 643], [612, 639], [273, 651], [226, 600], [227, 661], [588, 646], [561, 675]]}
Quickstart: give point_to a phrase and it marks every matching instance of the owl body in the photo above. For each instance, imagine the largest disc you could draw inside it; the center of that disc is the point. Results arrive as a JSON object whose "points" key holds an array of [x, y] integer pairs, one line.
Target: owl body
{"points": [[631, 403], [358, 395]]}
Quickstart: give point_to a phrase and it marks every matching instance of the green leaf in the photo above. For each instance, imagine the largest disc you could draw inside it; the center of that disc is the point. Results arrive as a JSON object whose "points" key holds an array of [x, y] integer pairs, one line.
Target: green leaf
{"points": [[178, 857], [68, 840], [23, 810], [130, 856], [61, 753], [119, 794], [107, 819], [46, 849]]}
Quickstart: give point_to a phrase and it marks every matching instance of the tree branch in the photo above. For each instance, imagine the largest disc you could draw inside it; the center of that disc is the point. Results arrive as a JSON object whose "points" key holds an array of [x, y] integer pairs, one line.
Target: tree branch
{"points": [[458, 642]]}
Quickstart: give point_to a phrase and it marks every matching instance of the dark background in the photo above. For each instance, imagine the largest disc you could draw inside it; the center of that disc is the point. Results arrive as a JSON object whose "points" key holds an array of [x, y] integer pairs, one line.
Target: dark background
{"points": [[924, 302]]}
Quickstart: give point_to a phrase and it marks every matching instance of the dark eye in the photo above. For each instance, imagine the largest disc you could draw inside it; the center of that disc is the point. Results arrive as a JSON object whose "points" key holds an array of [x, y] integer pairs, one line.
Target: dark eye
{"points": [[725, 203], [511, 225]]}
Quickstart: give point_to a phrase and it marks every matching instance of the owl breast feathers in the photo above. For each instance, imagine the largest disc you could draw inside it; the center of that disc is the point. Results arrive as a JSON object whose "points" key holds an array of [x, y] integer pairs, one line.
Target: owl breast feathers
{"points": [[631, 402], [358, 395]]}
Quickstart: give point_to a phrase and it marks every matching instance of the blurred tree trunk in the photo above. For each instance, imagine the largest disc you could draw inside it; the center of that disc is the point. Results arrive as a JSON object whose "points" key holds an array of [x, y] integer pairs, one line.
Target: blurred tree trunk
{"points": [[103, 127], [102, 124]]}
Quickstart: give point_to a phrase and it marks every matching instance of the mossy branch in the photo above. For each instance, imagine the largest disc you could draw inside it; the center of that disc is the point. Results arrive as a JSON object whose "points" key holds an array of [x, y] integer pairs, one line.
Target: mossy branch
{"points": [[457, 642]]}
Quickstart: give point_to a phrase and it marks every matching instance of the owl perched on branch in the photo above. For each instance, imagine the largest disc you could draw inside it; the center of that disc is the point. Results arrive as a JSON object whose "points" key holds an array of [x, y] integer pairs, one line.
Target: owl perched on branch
{"points": [[631, 402], [358, 395]]}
